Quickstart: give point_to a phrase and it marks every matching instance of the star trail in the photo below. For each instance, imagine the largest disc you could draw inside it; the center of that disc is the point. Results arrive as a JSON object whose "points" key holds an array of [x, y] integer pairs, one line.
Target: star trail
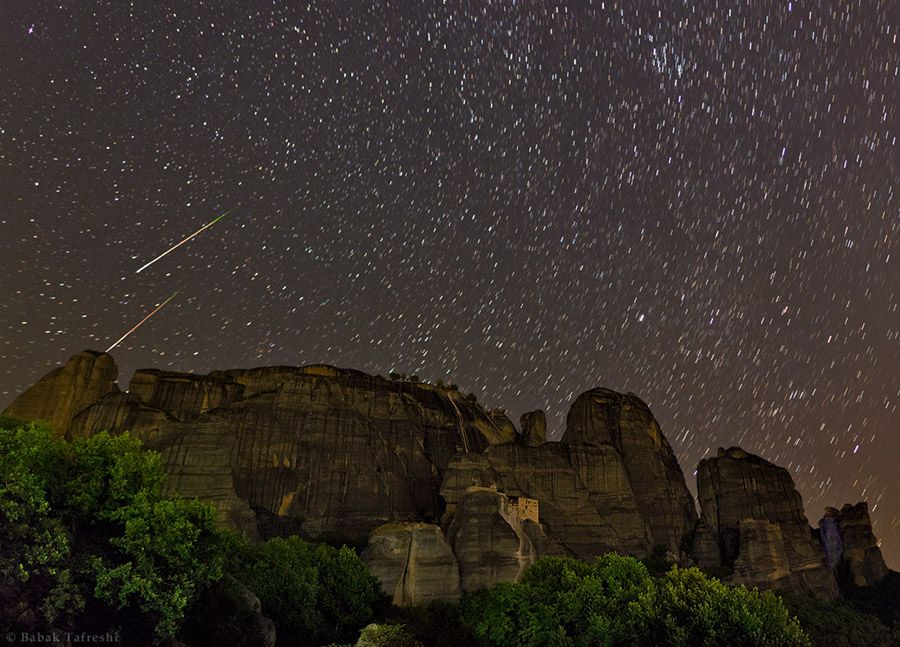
{"points": [[696, 202]]}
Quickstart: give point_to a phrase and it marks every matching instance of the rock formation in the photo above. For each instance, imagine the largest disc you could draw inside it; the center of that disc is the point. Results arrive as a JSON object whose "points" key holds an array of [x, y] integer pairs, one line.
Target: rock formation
{"points": [[318, 451], [331, 453], [851, 549], [491, 540], [534, 428], [585, 499], [601, 417], [65, 391], [753, 515], [414, 563]]}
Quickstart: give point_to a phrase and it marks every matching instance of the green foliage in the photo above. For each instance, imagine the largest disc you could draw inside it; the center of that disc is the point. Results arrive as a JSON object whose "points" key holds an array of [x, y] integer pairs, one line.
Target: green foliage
{"points": [[836, 623], [37, 587], [882, 600], [167, 548], [658, 562], [615, 601], [378, 635], [84, 524], [314, 593], [440, 624]]}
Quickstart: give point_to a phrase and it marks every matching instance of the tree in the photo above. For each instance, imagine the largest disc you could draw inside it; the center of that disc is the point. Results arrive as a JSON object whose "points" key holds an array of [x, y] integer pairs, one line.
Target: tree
{"points": [[86, 531], [379, 635], [315, 594], [615, 601]]}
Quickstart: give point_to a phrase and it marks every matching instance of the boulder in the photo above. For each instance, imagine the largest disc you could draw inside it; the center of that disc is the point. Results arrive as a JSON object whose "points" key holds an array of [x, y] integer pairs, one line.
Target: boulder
{"points": [[414, 563], [67, 390], [624, 422], [851, 547], [534, 428], [736, 490]]}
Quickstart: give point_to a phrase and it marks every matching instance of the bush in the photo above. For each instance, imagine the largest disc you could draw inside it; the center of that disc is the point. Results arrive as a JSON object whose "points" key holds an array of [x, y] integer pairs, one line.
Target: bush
{"points": [[315, 594], [836, 623], [440, 624], [87, 534], [615, 601], [376, 635]]}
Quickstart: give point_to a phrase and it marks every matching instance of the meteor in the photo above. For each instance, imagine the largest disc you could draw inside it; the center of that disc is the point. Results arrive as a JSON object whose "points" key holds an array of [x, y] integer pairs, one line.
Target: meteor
{"points": [[174, 247], [140, 323]]}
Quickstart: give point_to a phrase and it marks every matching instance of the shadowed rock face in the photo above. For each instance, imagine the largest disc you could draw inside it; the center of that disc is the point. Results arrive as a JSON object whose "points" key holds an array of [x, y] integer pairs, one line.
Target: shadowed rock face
{"points": [[318, 451], [534, 428], [601, 416], [754, 515], [414, 563], [65, 391], [585, 498], [489, 539], [852, 544]]}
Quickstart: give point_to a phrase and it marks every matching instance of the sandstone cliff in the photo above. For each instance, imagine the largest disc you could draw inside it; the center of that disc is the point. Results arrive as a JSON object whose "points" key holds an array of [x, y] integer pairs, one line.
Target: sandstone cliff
{"points": [[851, 549], [65, 391], [752, 522], [602, 417], [450, 496]]}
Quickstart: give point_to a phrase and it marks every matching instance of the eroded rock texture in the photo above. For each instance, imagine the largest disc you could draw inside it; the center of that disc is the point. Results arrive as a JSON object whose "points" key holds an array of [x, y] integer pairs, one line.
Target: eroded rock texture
{"points": [[534, 427], [330, 453], [601, 417], [491, 541], [65, 391], [755, 516], [318, 451], [585, 499], [414, 563], [851, 547]]}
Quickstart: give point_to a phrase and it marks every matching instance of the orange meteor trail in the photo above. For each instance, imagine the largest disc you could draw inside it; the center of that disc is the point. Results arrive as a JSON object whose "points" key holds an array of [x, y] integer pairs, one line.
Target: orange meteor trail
{"points": [[158, 308]]}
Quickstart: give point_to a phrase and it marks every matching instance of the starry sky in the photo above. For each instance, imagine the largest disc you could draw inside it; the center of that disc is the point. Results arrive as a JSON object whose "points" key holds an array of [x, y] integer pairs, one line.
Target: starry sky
{"points": [[696, 202]]}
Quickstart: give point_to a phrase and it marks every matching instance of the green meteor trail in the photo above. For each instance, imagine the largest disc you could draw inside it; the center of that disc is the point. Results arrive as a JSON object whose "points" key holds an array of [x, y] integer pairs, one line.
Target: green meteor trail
{"points": [[174, 247]]}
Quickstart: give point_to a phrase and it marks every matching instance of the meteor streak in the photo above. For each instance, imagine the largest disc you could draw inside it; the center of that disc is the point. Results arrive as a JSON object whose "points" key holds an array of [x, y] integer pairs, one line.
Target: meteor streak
{"points": [[158, 308], [174, 247]]}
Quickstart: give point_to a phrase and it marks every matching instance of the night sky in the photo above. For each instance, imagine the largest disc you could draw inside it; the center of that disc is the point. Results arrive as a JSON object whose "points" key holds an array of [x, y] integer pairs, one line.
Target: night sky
{"points": [[696, 202]]}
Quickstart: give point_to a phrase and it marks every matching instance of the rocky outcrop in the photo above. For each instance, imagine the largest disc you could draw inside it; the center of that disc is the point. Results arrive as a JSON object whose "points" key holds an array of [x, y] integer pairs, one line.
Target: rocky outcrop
{"points": [[753, 513], [336, 454], [585, 500], [318, 451], [850, 546], [414, 563], [184, 396], [65, 391], [492, 542], [534, 428], [601, 417], [762, 557]]}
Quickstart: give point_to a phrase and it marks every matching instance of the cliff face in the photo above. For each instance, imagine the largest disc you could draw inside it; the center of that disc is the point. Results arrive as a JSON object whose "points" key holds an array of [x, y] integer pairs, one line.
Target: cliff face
{"points": [[316, 450], [449, 496], [851, 549], [65, 391], [752, 521], [601, 417]]}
